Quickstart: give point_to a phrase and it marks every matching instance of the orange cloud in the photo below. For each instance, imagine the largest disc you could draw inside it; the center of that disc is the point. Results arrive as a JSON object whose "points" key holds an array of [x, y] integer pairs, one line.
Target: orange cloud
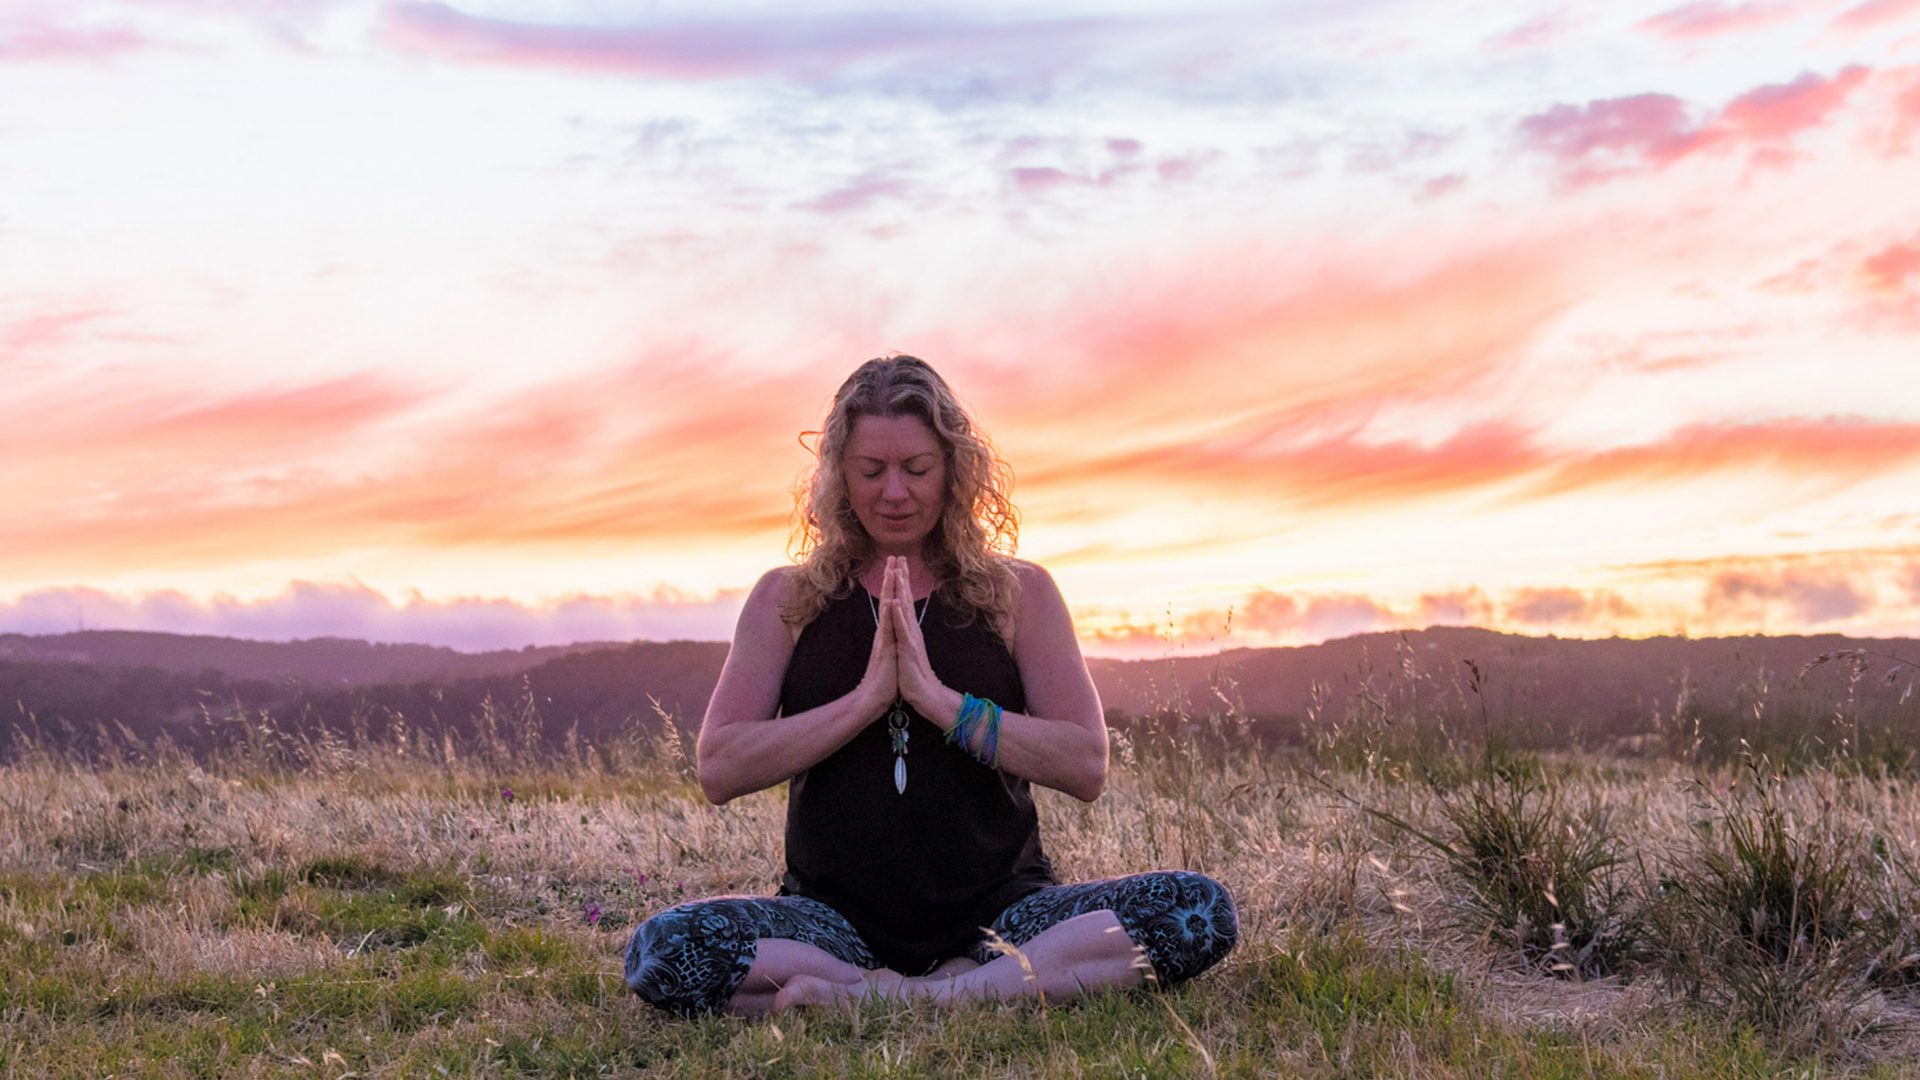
{"points": [[1207, 381], [1847, 449], [156, 476], [1335, 472]]}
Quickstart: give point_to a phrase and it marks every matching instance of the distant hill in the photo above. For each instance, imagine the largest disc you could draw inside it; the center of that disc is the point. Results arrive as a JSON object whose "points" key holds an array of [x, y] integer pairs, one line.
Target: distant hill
{"points": [[319, 661], [1610, 684], [595, 692], [69, 687]]}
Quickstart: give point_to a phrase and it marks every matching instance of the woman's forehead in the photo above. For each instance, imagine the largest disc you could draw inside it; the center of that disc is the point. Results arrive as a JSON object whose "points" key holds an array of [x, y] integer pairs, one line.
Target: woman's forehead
{"points": [[888, 438]]}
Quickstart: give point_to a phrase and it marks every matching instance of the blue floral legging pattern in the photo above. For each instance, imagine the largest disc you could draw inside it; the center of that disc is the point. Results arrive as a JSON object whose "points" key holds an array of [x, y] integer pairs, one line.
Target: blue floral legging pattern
{"points": [[691, 957]]}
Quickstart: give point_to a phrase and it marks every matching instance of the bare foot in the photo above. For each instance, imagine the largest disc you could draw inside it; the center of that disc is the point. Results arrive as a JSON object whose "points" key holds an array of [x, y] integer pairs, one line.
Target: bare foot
{"points": [[803, 990], [952, 966]]}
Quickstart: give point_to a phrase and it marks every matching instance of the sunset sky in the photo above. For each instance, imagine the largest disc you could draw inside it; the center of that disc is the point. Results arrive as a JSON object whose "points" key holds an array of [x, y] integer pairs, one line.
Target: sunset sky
{"points": [[496, 323]]}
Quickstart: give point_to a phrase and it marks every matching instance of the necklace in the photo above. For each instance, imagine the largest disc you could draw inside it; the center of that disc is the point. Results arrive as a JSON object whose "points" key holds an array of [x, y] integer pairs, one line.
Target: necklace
{"points": [[897, 717]]}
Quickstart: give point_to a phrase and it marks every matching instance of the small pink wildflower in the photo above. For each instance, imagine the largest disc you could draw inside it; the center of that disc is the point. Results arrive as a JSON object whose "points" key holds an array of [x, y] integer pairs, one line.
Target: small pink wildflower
{"points": [[590, 910], [506, 794]]}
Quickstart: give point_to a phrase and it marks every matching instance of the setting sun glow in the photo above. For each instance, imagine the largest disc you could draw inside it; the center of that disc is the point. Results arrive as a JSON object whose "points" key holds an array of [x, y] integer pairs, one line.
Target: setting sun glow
{"points": [[497, 323]]}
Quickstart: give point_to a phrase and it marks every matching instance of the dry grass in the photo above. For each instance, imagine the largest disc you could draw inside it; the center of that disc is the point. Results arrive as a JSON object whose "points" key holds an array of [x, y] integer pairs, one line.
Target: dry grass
{"points": [[405, 908]]}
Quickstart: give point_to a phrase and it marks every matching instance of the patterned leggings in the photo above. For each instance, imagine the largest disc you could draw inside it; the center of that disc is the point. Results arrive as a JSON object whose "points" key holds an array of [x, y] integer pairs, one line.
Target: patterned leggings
{"points": [[691, 957]]}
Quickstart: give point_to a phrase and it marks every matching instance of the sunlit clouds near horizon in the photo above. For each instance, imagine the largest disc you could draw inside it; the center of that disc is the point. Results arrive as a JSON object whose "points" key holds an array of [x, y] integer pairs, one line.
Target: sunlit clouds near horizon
{"points": [[495, 324]]}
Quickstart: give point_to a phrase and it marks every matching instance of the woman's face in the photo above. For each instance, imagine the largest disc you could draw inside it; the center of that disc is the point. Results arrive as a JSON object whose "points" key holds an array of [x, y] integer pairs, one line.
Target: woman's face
{"points": [[896, 477]]}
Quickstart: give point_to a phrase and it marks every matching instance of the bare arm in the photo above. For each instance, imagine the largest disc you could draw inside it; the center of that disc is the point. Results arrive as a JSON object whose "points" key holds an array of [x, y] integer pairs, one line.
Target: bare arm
{"points": [[1062, 741], [743, 747]]}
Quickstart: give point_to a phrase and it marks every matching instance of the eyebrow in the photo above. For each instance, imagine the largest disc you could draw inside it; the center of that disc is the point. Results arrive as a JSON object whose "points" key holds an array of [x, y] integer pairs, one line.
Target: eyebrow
{"points": [[883, 461]]}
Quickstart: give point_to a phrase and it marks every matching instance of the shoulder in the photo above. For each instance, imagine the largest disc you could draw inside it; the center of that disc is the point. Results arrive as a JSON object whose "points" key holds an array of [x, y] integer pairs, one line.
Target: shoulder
{"points": [[1038, 609], [772, 590], [767, 601], [1033, 580]]}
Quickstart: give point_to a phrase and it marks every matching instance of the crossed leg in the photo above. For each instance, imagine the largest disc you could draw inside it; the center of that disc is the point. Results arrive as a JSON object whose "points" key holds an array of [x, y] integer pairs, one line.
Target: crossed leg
{"points": [[1085, 953], [756, 955]]}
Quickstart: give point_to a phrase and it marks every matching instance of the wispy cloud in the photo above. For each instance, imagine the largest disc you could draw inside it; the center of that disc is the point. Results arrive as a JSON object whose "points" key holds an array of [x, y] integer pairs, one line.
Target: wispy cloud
{"points": [[1614, 137], [1709, 18], [1536, 33], [1838, 449], [34, 40], [1874, 14], [307, 610], [186, 484], [804, 48]]}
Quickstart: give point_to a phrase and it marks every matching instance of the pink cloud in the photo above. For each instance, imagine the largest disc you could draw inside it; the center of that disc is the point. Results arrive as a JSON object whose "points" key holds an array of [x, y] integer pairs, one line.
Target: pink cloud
{"points": [[47, 329], [1535, 33], [1786, 109], [1038, 178], [856, 196], [157, 478], [1874, 14], [308, 610], [1837, 448], [1288, 615], [1812, 597], [1557, 606], [1461, 607], [1182, 169], [1613, 137], [40, 41], [1712, 19], [1906, 116], [1442, 186], [717, 48], [1891, 268], [1645, 130]]}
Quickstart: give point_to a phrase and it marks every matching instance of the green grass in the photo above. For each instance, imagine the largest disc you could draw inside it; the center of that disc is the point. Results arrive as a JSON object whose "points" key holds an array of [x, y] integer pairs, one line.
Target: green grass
{"points": [[404, 918]]}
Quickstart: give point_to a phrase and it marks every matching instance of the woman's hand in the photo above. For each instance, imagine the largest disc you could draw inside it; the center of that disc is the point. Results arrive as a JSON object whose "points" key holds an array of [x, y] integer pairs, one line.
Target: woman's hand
{"points": [[918, 684], [881, 682]]}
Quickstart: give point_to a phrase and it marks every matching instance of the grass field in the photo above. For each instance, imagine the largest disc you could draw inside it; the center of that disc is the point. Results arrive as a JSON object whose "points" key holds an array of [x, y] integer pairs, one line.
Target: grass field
{"points": [[1417, 897]]}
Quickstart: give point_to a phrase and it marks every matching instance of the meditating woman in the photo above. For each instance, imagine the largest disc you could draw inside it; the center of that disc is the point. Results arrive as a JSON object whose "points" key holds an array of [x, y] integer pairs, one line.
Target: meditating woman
{"points": [[909, 679]]}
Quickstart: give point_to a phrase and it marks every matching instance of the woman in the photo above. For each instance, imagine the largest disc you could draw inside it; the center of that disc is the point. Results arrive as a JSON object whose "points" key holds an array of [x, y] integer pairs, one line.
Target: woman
{"points": [[909, 681]]}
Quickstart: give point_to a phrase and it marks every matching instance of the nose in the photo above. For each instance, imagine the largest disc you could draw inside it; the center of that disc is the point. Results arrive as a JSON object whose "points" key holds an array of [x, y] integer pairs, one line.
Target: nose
{"points": [[896, 485]]}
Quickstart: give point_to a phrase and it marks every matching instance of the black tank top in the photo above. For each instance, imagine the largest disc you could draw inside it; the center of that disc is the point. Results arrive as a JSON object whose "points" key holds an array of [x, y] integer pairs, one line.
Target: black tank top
{"points": [[917, 873]]}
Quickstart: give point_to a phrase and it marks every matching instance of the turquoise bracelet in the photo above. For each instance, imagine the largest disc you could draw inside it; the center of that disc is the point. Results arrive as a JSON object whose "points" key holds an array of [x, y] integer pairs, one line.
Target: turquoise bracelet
{"points": [[973, 712], [961, 733]]}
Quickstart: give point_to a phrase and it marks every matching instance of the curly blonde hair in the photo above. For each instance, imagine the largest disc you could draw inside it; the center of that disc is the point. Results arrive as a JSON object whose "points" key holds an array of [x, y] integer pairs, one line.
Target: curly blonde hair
{"points": [[970, 549]]}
